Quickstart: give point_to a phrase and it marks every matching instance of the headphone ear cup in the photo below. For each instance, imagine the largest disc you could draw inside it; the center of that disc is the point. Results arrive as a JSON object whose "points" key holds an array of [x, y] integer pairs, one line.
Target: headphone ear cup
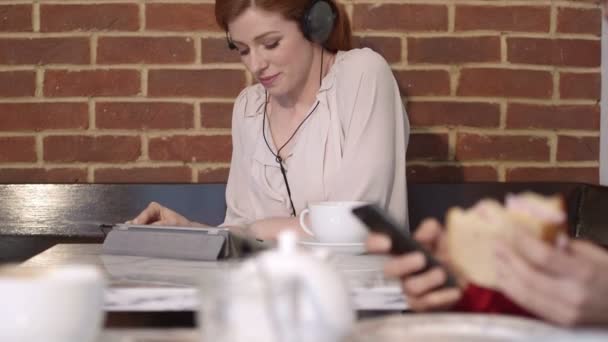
{"points": [[318, 21]]}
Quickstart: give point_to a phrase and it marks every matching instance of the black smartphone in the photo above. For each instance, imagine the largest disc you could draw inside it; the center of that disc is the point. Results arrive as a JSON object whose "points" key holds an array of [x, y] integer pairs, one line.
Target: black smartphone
{"points": [[377, 221]]}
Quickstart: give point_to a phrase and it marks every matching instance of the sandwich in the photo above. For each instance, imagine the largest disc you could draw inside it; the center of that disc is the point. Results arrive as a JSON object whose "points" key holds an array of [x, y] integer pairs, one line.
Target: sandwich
{"points": [[472, 233]]}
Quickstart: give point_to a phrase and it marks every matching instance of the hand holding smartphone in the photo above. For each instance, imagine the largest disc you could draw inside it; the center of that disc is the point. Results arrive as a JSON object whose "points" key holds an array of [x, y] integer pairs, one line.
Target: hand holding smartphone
{"points": [[378, 222]]}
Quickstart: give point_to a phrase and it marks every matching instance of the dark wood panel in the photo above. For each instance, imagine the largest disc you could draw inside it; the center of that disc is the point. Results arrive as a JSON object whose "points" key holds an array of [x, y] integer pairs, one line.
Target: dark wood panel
{"points": [[433, 200], [34, 217], [77, 210]]}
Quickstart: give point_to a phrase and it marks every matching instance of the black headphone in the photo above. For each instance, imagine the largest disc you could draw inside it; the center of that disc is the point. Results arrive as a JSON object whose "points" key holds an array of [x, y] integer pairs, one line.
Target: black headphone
{"points": [[316, 24]]}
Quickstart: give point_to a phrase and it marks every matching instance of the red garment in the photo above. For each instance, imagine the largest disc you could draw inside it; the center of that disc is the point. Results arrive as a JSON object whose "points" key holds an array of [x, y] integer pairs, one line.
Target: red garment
{"points": [[483, 300]]}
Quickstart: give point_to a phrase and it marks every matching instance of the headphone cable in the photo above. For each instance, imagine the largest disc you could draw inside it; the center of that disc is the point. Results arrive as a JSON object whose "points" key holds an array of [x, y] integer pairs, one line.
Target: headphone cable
{"points": [[277, 155]]}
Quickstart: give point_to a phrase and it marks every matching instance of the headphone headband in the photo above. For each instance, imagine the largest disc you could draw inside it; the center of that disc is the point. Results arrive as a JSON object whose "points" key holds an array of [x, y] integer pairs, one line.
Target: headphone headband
{"points": [[317, 22]]}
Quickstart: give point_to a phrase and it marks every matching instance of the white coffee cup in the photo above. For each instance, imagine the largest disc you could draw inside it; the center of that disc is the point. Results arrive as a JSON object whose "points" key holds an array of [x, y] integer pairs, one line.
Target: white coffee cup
{"points": [[57, 304], [334, 222]]}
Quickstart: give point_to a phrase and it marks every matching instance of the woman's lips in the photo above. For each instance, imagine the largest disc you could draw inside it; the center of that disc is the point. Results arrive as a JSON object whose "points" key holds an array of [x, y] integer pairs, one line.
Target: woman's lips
{"points": [[267, 81]]}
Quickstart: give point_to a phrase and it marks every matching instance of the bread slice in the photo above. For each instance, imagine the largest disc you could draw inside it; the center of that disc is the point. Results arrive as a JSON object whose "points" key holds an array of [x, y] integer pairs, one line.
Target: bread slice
{"points": [[544, 216], [472, 233]]}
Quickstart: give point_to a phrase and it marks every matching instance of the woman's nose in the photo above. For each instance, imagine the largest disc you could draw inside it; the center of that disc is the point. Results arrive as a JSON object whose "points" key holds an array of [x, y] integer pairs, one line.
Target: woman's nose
{"points": [[258, 62]]}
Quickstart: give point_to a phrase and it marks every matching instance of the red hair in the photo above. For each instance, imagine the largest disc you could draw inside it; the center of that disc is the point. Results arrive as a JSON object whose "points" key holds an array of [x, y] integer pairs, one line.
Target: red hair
{"points": [[340, 39]]}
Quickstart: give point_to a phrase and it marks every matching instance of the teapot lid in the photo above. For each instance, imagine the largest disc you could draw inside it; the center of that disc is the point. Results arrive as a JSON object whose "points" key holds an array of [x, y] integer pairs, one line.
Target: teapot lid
{"points": [[288, 242]]}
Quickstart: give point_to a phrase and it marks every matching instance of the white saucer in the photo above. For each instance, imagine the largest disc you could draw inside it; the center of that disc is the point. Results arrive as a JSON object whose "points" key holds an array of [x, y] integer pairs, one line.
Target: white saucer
{"points": [[340, 248]]}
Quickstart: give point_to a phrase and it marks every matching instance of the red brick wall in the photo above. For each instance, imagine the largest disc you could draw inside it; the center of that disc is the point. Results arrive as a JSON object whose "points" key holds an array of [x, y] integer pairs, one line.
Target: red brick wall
{"points": [[141, 91]]}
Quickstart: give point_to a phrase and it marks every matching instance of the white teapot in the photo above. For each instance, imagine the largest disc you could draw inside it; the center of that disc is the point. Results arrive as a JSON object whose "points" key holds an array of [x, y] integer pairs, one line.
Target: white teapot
{"points": [[281, 295]]}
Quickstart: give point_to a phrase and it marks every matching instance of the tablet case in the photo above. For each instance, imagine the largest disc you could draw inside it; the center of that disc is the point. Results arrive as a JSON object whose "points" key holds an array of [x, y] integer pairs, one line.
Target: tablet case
{"points": [[186, 243]]}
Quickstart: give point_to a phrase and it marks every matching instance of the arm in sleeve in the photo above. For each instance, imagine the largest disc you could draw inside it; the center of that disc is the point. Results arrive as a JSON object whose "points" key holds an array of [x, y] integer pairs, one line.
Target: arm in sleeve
{"points": [[237, 203], [375, 137], [481, 300]]}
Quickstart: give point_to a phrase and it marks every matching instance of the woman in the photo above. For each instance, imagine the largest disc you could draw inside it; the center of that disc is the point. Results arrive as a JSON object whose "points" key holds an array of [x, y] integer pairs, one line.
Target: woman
{"points": [[323, 123]]}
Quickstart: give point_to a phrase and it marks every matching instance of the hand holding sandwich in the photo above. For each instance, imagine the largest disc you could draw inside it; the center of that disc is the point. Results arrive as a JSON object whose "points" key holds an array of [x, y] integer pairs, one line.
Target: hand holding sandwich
{"points": [[519, 249], [565, 283]]}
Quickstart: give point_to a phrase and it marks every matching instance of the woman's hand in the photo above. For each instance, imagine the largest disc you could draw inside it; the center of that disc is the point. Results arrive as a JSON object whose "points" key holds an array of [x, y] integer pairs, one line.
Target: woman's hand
{"points": [[159, 215], [270, 228], [567, 286], [423, 291]]}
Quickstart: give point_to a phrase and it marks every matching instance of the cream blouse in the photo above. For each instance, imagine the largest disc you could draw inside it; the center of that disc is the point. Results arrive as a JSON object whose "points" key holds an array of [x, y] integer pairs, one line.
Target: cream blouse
{"points": [[351, 148]]}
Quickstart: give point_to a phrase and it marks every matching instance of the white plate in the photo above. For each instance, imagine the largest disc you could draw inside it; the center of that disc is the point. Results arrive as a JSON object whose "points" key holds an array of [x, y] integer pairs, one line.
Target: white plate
{"points": [[464, 327], [340, 248]]}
